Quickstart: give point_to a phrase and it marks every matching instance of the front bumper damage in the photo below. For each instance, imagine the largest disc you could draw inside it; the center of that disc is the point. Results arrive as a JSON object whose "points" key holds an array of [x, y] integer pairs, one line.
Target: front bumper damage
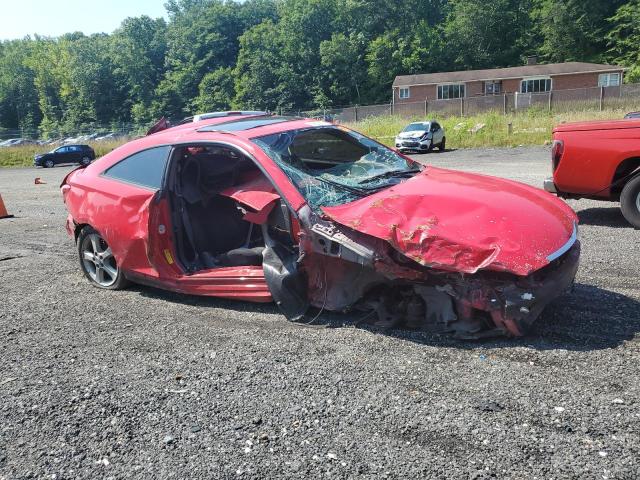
{"points": [[414, 144], [347, 271], [509, 305]]}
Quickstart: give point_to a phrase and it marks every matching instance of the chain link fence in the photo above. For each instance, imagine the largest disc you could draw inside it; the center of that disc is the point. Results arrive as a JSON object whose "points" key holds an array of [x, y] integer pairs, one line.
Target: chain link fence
{"points": [[580, 99], [16, 137]]}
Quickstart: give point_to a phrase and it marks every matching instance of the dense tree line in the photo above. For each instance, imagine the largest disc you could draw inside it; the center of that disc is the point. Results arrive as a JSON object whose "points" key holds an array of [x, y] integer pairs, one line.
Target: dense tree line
{"points": [[291, 54]]}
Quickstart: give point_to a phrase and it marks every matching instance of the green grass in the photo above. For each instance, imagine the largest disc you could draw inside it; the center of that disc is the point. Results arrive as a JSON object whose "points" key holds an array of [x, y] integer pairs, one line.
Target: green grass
{"points": [[22, 156], [531, 128]]}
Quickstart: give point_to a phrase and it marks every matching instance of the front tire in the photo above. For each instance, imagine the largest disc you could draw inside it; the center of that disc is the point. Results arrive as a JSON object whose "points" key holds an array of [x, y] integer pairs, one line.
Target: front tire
{"points": [[97, 261], [48, 164], [630, 201], [443, 144]]}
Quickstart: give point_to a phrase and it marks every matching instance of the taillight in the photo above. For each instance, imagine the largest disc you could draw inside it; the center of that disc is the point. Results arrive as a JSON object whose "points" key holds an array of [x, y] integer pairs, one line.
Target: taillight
{"points": [[556, 153]]}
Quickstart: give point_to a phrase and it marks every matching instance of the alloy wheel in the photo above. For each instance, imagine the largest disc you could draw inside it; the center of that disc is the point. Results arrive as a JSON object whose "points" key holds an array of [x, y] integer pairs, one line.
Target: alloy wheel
{"points": [[98, 260]]}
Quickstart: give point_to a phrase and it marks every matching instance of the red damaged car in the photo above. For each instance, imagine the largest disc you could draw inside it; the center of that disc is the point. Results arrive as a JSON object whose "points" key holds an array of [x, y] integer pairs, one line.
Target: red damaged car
{"points": [[303, 212]]}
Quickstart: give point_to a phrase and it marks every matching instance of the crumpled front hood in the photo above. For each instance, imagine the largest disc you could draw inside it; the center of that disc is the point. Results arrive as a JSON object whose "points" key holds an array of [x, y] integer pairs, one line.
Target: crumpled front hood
{"points": [[464, 222]]}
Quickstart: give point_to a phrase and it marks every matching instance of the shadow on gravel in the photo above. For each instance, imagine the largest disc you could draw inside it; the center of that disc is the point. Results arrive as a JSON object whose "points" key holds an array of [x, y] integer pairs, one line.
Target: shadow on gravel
{"points": [[590, 318], [206, 302], [603, 217]]}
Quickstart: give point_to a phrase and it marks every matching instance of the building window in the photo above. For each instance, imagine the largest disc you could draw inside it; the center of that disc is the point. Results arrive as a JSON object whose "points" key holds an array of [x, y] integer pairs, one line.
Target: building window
{"points": [[404, 92], [454, 90], [535, 85], [493, 87], [609, 80]]}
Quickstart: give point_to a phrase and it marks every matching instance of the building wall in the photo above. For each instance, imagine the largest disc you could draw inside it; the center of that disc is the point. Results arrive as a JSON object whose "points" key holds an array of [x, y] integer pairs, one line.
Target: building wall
{"points": [[420, 93], [579, 80], [473, 89], [511, 86]]}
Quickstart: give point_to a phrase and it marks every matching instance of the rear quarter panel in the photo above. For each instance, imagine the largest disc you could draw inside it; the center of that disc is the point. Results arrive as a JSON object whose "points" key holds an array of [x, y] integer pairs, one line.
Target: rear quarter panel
{"points": [[117, 210], [591, 157]]}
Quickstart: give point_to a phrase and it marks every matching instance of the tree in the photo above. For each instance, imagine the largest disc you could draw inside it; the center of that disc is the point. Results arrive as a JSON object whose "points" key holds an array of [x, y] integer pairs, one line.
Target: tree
{"points": [[261, 75], [45, 63], [18, 97], [573, 30], [216, 91], [137, 50], [480, 34], [624, 39], [203, 36], [344, 70], [303, 26]]}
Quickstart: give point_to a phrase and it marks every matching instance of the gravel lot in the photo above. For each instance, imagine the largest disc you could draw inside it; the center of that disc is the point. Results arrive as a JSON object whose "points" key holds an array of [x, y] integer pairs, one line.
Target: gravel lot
{"points": [[148, 384]]}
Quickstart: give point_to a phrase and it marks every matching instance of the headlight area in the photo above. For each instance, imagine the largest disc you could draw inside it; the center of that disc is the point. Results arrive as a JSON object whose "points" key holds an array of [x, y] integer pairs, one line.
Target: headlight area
{"points": [[483, 305]]}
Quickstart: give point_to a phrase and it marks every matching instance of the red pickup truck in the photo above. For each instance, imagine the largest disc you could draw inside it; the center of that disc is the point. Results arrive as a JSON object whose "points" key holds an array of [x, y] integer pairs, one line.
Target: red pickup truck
{"points": [[598, 160]]}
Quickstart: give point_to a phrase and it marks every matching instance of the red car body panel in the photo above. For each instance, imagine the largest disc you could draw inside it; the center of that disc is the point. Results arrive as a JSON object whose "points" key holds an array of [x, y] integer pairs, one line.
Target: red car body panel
{"points": [[445, 220], [428, 218], [592, 153], [123, 214], [257, 195]]}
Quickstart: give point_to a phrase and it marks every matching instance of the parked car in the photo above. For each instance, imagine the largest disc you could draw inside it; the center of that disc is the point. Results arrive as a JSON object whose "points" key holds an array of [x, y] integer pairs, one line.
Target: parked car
{"points": [[598, 160], [16, 142], [632, 115], [82, 154], [421, 137], [304, 212]]}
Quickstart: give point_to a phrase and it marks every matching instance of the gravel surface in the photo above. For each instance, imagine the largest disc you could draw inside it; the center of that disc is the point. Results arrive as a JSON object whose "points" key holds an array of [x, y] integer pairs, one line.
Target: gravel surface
{"points": [[147, 384]]}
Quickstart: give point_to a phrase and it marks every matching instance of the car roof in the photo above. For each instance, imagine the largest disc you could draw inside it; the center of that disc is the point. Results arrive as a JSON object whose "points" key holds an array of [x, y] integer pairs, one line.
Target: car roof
{"points": [[238, 130], [241, 126]]}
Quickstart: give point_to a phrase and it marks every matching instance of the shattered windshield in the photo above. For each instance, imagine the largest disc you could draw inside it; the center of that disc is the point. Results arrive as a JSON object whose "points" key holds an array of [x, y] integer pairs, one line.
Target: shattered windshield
{"points": [[331, 166]]}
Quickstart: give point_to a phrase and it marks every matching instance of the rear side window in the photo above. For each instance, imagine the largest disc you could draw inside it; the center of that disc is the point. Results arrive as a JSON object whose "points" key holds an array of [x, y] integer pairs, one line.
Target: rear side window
{"points": [[145, 168]]}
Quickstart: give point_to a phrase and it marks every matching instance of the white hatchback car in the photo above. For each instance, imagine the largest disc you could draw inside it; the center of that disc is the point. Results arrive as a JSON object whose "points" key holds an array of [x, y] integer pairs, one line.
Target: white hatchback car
{"points": [[421, 137]]}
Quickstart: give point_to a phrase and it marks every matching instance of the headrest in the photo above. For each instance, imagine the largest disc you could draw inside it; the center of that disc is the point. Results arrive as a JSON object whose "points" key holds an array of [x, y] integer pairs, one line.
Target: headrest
{"points": [[190, 181]]}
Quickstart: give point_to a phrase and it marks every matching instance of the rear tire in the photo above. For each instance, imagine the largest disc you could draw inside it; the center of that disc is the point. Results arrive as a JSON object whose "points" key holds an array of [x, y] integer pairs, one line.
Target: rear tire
{"points": [[443, 144], [85, 161], [97, 261], [630, 201]]}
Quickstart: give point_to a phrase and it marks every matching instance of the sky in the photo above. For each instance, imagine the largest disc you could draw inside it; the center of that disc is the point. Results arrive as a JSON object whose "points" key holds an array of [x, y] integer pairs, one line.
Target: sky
{"points": [[55, 17]]}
